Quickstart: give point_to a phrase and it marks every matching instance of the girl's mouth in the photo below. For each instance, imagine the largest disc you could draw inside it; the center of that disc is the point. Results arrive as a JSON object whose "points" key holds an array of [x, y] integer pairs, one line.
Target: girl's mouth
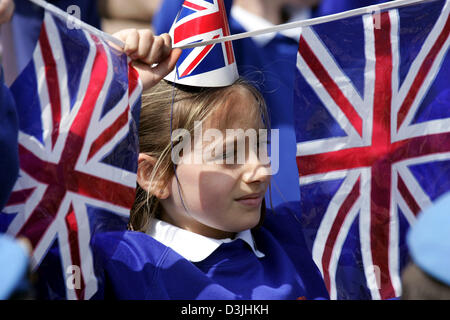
{"points": [[251, 200]]}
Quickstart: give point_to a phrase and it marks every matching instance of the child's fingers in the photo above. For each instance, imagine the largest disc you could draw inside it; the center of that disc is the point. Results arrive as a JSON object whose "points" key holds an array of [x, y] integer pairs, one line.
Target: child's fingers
{"points": [[155, 54], [166, 66], [152, 56], [130, 38], [167, 42], [144, 46], [131, 42], [146, 39], [161, 48], [167, 49], [151, 75]]}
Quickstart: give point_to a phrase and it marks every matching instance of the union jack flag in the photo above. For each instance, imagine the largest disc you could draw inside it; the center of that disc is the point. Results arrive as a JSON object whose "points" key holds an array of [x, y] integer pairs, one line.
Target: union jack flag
{"points": [[200, 20], [373, 140], [78, 103]]}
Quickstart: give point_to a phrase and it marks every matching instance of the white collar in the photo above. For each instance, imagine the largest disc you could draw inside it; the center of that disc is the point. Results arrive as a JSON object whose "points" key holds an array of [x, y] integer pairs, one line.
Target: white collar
{"points": [[192, 246], [252, 22]]}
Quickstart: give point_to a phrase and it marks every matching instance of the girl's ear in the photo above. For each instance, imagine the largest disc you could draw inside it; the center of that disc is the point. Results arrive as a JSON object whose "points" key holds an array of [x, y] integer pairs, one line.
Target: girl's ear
{"points": [[157, 187]]}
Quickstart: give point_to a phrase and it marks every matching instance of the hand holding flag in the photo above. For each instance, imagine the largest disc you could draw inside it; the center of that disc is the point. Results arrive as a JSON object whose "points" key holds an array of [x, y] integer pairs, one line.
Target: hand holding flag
{"points": [[152, 55]]}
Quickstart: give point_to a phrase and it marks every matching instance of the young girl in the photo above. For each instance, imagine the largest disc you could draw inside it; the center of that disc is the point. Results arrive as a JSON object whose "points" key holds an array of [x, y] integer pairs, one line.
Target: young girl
{"points": [[200, 229]]}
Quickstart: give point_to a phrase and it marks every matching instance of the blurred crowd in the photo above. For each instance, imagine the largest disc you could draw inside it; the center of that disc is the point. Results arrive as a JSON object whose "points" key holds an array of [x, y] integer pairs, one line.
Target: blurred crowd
{"points": [[119, 14]]}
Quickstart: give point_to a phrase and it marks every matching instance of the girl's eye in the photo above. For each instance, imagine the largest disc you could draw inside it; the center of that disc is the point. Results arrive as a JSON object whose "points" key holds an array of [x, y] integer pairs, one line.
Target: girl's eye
{"points": [[226, 156], [230, 157]]}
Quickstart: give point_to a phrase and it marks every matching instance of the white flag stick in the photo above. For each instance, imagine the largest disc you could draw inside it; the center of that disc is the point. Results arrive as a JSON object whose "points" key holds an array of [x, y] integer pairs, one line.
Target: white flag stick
{"points": [[310, 22], [75, 21]]}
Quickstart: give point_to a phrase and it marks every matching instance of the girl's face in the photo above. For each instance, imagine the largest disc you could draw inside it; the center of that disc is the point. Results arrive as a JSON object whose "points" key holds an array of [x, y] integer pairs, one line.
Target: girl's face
{"points": [[221, 199]]}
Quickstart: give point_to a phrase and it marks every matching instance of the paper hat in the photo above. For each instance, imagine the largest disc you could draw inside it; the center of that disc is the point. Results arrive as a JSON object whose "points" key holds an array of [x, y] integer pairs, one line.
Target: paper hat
{"points": [[429, 240], [205, 66]]}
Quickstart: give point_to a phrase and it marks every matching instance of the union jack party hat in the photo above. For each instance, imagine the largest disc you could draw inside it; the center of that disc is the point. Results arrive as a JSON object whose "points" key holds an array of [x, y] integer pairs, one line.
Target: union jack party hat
{"points": [[204, 66]]}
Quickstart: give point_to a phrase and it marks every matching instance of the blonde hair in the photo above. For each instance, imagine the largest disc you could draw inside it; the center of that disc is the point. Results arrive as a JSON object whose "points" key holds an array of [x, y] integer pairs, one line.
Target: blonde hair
{"points": [[190, 104]]}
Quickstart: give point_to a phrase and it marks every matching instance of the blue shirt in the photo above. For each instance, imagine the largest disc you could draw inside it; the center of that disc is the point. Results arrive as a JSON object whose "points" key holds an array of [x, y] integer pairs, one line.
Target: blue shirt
{"points": [[133, 265], [9, 157]]}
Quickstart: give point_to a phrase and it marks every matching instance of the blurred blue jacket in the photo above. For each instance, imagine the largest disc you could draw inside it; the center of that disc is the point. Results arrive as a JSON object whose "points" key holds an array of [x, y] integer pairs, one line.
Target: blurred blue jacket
{"points": [[9, 159]]}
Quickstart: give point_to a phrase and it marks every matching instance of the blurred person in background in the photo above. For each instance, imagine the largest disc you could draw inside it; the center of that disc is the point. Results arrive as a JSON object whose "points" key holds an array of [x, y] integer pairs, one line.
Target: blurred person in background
{"points": [[118, 14], [14, 254], [427, 277], [19, 36]]}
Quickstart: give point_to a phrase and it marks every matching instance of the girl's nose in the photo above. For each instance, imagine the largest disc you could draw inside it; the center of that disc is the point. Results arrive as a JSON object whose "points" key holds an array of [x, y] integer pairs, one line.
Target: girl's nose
{"points": [[256, 170]]}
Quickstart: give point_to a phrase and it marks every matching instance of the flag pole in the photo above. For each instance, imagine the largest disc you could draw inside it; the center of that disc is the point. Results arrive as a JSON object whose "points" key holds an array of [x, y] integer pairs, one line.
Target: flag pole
{"points": [[308, 22], [69, 18]]}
